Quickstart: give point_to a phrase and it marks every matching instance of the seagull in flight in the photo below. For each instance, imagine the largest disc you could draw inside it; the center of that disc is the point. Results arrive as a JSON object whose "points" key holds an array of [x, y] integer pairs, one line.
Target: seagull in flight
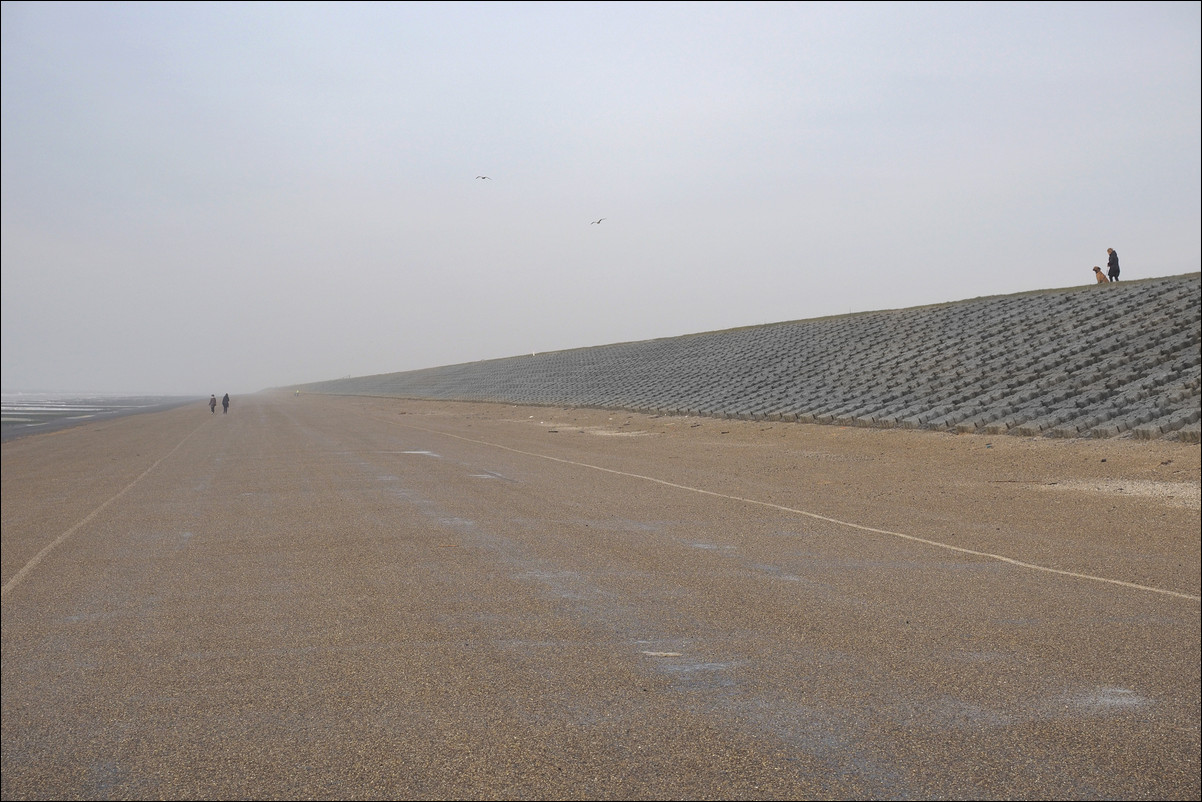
{"points": [[597, 222], [486, 178]]}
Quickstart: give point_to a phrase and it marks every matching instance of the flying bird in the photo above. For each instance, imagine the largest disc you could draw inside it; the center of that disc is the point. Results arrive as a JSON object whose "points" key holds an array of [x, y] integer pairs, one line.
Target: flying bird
{"points": [[486, 178], [597, 222]]}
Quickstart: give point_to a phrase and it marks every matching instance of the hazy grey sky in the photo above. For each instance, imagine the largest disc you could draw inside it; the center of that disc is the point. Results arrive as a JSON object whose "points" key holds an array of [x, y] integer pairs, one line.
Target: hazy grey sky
{"points": [[223, 197]]}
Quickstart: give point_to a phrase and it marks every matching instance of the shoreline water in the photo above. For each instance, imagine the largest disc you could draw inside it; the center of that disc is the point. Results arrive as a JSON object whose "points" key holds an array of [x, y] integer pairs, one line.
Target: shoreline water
{"points": [[25, 414]]}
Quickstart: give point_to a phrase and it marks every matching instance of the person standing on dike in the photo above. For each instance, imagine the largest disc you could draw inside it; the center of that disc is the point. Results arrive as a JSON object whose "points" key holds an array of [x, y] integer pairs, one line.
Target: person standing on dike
{"points": [[1113, 264], [225, 403]]}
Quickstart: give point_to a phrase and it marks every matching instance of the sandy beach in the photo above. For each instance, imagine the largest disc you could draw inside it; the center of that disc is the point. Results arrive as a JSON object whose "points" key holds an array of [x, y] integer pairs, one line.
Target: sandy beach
{"points": [[323, 597]]}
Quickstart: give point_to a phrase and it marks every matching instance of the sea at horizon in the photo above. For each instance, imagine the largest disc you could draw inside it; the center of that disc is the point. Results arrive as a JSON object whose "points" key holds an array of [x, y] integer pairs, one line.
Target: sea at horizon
{"points": [[25, 413]]}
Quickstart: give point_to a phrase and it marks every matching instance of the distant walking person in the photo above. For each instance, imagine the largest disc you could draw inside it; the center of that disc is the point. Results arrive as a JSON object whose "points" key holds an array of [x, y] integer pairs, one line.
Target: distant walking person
{"points": [[1100, 276], [213, 403], [1113, 264], [225, 403]]}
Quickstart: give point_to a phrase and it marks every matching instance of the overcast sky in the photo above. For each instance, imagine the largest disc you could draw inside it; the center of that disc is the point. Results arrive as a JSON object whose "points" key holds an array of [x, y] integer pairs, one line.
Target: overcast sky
{"points": [[224, 197]]}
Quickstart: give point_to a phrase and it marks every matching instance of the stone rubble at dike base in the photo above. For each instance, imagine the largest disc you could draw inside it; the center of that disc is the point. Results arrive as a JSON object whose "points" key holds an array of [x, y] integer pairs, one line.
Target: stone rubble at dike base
{"points": [[1121, 359]]}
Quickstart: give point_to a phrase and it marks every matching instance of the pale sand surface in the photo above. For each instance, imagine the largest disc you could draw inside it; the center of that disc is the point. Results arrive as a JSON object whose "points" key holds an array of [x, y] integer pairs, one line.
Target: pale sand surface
{"points": [[323, 597]]}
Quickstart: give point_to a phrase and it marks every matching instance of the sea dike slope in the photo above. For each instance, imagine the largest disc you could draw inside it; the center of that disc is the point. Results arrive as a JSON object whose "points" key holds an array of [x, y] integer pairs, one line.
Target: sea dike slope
{"points": [[1093, 361]]}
